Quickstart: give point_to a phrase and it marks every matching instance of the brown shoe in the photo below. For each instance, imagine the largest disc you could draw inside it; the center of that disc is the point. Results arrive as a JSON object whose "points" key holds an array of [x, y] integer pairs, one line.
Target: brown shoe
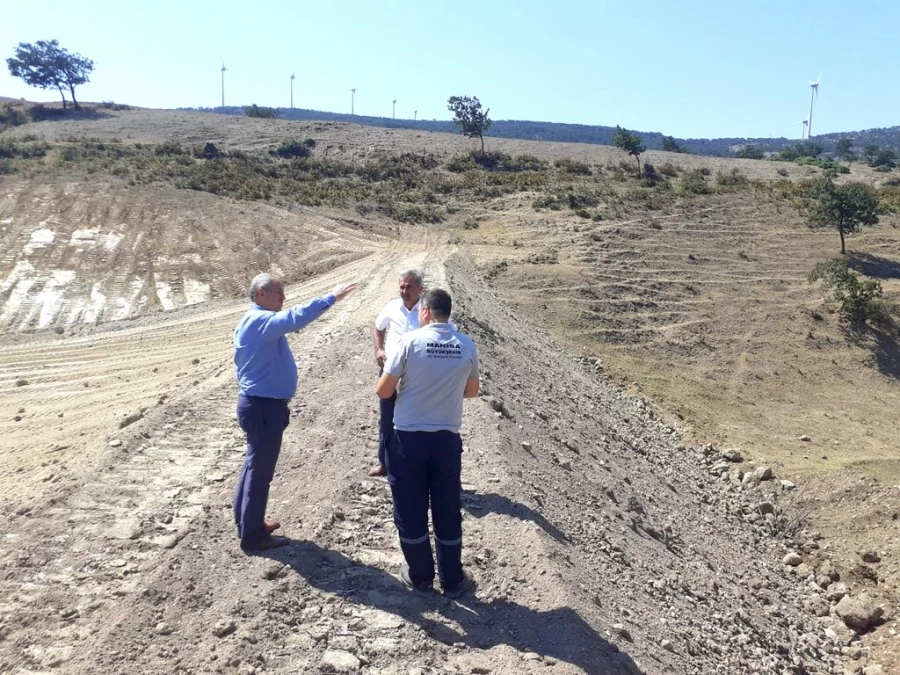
{"points": [[269, 542], [379, 470], [271, 525]]}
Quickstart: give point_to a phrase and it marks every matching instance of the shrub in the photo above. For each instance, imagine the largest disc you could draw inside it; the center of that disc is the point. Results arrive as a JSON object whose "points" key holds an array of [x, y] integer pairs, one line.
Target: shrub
{"points": [[208, 151], [293, 148], [11, 148], [782, 171], [261, 111], [669, 169], [40, 113], [733, 179], [749, 152], [527, 163], [828, 165], [855, 298], [650, 174], [693, 183], [461, 163], [573, 166], [169, 148], [13, 115]]}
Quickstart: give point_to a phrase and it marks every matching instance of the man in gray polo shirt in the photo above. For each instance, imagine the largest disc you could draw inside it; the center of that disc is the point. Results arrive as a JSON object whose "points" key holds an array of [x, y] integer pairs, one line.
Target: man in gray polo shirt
{"points": [[435, 367]]}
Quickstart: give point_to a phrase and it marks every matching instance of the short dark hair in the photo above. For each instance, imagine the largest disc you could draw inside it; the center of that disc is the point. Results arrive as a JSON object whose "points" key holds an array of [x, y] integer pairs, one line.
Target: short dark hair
{"points": [[438, 301]]}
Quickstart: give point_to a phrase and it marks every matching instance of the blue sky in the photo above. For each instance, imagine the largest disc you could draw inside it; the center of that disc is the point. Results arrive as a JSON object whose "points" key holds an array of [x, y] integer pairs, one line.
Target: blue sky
{"points": [[688, 68]]}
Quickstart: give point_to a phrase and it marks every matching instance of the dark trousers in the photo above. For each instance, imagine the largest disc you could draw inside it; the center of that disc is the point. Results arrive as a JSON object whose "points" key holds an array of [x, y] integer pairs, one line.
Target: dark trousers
{"points": [[423, 467], [385, 426], [264, 420]]}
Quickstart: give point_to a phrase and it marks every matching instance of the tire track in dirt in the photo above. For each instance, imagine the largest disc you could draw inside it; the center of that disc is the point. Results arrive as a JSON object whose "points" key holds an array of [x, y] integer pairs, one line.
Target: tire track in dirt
{"points": [[163, 475]]}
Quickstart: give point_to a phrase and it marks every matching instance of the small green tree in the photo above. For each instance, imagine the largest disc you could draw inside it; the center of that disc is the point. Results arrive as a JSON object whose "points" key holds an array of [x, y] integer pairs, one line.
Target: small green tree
{"points": [[843, 148], [46, 65], [749, 152], [630, 143], [844, 207], [669, 144], [469, 117], [855, 298], [261, 111]]}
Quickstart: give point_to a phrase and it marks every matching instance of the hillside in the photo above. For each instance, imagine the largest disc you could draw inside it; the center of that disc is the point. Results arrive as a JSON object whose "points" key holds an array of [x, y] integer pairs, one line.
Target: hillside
{"points": [[525, 130], [637, 496]]}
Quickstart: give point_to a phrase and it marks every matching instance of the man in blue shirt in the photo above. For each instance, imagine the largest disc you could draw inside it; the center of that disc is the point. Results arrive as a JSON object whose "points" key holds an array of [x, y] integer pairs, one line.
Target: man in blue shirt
{"points": [[267, 376]]}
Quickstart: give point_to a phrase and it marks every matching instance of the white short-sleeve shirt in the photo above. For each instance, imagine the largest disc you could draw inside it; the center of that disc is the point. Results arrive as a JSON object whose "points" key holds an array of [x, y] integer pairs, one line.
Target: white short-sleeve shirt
{"points": [[398, 321]]}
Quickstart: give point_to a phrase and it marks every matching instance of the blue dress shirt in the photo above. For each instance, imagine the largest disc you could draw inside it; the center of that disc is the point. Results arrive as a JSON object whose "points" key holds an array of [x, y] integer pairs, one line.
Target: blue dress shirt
{"points": [[262, 358]]}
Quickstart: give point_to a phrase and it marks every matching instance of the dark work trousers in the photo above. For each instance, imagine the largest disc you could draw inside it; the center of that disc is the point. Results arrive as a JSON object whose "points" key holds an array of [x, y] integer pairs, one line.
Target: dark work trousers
{"points": [[264, 420], [425, 466], [385, 425]]}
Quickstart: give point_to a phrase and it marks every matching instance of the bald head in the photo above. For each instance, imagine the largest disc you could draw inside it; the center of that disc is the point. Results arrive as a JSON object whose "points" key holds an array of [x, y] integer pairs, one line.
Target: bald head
{"points": [[267, 291]]}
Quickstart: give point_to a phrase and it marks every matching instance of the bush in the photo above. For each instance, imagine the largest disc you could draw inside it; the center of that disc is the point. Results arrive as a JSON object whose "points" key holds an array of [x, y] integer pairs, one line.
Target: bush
{"points": [[693, 183], [11, 148], [13, 115], [261, 111], [527, 163], [669, 169], [112, 105], [733, 179], [572, 166], [802, 149], [293, 148], [40, 113], [650, 174], [168, 149], [208, 151], [855, 298], [461, 164], [749, 152], [828, 165]]}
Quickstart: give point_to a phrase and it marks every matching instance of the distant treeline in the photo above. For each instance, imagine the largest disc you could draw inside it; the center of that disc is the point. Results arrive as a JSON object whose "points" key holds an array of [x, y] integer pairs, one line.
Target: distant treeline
{"points": [[585, 133]]}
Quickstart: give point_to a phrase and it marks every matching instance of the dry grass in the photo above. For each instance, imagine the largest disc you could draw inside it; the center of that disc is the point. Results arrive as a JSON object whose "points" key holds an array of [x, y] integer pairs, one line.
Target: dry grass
{"points": [[701, 300]]}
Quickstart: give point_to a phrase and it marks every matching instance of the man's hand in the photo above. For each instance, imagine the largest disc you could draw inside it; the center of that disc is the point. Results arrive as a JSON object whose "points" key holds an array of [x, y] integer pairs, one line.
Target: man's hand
{"points": [[379, 357], [341, 291]]}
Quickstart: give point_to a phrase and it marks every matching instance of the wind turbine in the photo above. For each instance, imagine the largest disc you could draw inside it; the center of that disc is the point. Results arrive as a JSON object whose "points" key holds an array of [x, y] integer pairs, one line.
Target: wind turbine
{"points": [[352, 99], [813, 94], [802, 131], [292, 90], [223, 82], [394, 110], [415, 115]]}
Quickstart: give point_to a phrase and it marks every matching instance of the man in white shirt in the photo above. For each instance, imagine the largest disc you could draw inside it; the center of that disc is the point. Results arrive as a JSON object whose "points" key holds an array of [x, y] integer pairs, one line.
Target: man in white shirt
{"points": [[436, 367], [399, 316]]}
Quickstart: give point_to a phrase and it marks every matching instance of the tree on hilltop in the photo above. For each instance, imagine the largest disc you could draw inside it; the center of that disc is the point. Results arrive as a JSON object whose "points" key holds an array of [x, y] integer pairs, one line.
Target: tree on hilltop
{"points": [[844, 207], [750, 152], [630, 143], [261, 111], [468, 116], [46, 65], [669, 144], [843, 148]]}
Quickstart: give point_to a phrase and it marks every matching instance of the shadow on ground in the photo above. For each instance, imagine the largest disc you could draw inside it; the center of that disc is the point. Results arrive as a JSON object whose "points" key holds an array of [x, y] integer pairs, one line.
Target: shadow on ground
{"points": [[557, 633], [873, 266], [480, 505], [881, 340]]}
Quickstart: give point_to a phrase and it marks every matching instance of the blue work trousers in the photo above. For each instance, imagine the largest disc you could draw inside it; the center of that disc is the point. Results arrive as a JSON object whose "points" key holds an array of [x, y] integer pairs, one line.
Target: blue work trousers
{"points": [[424, 467], [264, 421], [385, 426]]}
